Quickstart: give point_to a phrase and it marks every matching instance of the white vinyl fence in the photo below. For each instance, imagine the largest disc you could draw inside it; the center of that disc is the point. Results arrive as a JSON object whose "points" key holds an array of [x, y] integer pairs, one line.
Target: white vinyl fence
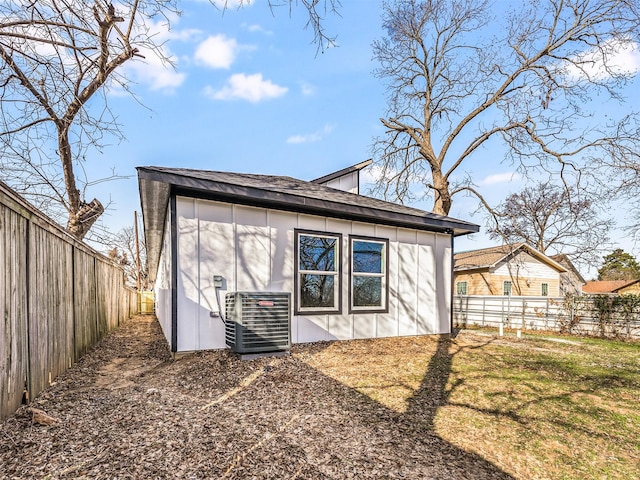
{"points": [[586, 315]]}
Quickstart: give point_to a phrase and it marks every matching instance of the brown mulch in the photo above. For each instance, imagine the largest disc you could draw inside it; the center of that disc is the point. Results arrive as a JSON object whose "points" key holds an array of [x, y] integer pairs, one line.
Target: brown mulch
{"points": [[128, 410]]}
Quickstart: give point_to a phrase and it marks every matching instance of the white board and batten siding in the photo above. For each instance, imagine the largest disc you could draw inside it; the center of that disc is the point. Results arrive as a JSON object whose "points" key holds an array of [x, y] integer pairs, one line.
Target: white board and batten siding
{"points": [[253, 250], [347, 183], [163, 282]]}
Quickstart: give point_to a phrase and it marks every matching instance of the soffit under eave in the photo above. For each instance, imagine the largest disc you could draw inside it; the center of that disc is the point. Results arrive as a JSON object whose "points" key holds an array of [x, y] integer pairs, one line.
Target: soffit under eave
{"points": [[154, 198]]}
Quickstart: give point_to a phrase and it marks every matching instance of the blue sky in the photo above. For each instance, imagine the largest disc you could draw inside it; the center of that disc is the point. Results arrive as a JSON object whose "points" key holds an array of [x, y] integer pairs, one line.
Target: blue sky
{"points": [[250, 93]]}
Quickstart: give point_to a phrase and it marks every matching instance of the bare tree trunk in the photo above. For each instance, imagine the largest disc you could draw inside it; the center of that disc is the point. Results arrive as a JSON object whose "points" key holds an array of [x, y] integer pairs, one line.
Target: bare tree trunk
{"points": [[442, 196], [81, 220]]}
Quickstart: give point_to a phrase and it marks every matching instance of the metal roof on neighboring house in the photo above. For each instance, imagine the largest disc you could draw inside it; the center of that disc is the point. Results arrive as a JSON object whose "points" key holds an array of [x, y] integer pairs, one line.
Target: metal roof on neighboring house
{"points": [[276, 192], [492, 256]]}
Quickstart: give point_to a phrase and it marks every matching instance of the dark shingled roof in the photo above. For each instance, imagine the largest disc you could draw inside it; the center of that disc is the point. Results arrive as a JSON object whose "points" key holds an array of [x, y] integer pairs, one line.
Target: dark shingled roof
{"points": [[277, 192]]}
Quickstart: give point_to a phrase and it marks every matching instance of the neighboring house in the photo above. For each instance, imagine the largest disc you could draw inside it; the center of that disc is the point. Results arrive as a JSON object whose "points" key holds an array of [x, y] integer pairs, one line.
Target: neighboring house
{"points": [[612, 287], [516, 269], [571, 282], [356, 267]]}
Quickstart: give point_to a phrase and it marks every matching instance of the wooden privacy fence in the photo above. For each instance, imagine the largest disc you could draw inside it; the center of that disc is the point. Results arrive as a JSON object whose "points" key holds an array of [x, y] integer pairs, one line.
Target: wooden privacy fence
{"points": [[584, 315], [58, 298]]}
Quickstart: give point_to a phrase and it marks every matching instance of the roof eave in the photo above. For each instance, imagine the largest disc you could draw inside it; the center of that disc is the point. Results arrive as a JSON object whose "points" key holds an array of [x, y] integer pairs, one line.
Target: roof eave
{"points": [[242, 194], [157, 186], [154, 199]]}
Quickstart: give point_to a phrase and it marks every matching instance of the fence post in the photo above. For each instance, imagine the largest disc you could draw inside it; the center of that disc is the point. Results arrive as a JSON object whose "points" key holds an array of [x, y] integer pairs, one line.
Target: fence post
{"points": [[484, 307], [546, 314]]}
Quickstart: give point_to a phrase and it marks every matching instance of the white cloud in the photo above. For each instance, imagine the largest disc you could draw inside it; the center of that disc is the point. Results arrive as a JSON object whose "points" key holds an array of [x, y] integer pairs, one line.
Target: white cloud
{"points": [[252, 88], [155, 74], [217, 51], [498, 178], [621, 58], [307, 89], [372, 174], [255, 28], [152, 71], [311, 137]]}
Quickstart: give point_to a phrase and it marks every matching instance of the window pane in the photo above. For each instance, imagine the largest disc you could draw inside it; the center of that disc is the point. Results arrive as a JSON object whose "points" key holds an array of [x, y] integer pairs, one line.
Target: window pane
{"points": [[545, 289], [367, 291], [507, 288], [367, 257], [317, 253], [462, 288], [317, 290]]}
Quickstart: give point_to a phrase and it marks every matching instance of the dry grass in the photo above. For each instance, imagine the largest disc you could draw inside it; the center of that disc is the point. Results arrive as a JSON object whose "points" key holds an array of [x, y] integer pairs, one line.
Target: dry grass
{"points": [[474, 407], [537, 407]]}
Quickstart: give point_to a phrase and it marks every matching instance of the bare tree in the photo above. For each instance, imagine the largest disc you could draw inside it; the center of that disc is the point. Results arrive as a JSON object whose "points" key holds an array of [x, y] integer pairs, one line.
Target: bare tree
{"points": [[58, 59], [625, 173], [122, 249], [553, 220], [317, 10], [465, 80]]}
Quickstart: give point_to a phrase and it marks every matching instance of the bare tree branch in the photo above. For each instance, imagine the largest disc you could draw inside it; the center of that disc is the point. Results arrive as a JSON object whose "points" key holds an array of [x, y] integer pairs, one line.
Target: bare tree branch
{"points": [[463, 77], [58, 58], [553, 220]]}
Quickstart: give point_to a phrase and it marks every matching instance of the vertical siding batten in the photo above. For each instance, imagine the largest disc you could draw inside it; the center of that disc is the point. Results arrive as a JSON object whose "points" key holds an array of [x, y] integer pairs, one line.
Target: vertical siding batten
{"points": [[174, 273]]}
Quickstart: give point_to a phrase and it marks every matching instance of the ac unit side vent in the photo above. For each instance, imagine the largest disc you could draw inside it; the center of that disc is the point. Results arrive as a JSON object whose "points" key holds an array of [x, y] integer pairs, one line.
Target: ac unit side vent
{"points": [[258, 322]]}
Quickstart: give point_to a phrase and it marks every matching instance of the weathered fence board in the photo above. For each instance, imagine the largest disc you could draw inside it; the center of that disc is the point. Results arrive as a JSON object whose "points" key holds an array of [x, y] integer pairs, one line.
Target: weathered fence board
{"points": [[13, 299], [84, 294], [50, 308], [58, 298]]}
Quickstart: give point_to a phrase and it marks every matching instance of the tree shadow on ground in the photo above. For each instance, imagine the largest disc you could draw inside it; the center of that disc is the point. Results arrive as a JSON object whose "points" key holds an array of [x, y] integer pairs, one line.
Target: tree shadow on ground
{"points": [[198, 417]]}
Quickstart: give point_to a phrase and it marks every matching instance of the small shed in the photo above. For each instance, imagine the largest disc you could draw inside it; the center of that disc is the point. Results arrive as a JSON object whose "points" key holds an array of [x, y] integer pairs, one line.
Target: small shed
{"points": [[355, 266], [515, 269]]}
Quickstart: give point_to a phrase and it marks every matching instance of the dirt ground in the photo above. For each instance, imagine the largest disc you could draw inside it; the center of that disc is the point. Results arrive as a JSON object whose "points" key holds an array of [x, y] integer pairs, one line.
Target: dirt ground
{"points": [[128, 410]]}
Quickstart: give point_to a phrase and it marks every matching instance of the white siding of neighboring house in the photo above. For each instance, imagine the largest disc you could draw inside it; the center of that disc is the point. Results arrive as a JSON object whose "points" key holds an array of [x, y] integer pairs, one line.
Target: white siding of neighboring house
{"points": [[163, 283], [253, 250], [347, 183], [526, 266]]}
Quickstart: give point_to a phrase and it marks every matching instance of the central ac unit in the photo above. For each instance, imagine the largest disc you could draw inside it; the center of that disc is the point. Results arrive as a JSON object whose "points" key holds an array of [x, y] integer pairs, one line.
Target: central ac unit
{"points": [[258, 322]]}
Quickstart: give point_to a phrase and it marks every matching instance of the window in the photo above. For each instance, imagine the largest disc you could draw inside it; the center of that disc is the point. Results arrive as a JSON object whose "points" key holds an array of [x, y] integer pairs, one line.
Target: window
{"points": [[545, 289], [506, 288], [461, 288], [318, 272], [369, 274]]}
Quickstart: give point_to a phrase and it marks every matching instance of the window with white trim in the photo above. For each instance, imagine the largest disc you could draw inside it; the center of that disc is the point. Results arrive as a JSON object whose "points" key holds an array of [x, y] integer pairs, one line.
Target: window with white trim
{"points": [[545, 289], [318, 272], [461, 288], [506, 288], [369, 274]]}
